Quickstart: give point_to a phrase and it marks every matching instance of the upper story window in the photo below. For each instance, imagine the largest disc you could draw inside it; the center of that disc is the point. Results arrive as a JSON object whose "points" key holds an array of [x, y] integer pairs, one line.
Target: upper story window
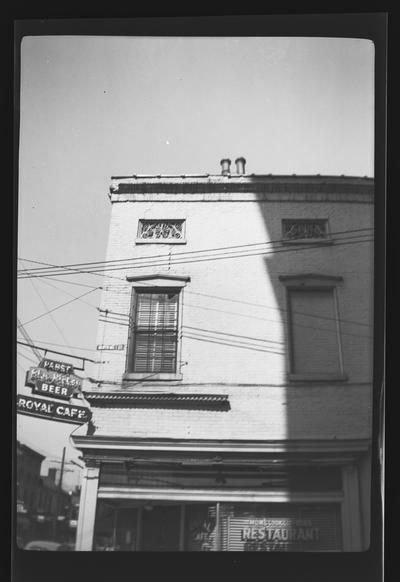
{"points": [[305, 230], [154, 335], [161, 231], [315, 351]]}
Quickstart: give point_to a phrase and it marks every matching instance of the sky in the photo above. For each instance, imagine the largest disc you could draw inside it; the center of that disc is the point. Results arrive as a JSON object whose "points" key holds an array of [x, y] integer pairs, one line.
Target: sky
{"points": [[92, 107]]}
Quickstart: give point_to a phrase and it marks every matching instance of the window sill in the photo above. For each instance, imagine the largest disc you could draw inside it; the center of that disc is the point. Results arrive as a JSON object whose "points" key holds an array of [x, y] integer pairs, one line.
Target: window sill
{"points": [[317, 377], [163, 241], [151, 377], [309, 241]]}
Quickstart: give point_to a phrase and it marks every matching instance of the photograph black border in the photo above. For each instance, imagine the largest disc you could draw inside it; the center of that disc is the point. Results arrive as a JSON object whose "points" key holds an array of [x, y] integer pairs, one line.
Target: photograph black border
{"points": [[364, 566]]}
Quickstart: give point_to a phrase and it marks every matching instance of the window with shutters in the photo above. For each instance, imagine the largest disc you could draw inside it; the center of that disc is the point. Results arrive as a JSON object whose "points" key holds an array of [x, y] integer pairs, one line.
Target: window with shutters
{"points": [[313, 328], [154, 338]]}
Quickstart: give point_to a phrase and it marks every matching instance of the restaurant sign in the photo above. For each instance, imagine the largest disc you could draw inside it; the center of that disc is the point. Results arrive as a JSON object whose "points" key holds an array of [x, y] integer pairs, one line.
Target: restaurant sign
{"points": [[272, 534], [58, 411]]}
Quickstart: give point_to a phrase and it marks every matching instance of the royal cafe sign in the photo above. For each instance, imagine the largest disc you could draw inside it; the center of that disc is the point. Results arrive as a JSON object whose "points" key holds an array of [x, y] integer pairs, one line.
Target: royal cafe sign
{"points": [[56, 381]]}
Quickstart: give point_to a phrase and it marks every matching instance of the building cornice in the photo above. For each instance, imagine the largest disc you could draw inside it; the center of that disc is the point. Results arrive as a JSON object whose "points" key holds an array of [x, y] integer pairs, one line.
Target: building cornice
{"points": [[104, 443], [247, 184], [127, 399]]}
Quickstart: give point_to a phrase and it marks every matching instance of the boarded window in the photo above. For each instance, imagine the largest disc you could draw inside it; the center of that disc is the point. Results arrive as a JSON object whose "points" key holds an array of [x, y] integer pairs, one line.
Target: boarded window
{"points": [[314, 332], [155, 332]]}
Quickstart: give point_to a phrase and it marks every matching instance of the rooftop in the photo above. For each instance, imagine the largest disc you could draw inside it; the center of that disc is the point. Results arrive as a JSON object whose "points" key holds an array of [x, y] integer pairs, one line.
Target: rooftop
{"points": [[241, 177]]}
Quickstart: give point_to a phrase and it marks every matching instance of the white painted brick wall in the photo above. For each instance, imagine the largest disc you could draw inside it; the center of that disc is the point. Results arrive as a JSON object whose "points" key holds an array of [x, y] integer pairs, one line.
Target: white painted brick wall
{"points": [[243, 297]]}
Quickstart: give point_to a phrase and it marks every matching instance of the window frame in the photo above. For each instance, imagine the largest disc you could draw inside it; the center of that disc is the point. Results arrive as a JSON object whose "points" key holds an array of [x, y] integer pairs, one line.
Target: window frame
{"points": [[313, 282], [328, 240], [164, 241], [155, 284]]}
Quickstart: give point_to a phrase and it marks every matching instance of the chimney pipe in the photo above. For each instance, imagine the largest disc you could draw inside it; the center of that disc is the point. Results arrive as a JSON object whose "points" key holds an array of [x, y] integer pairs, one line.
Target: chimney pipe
{"points": [[225, 167], [240, 165]]}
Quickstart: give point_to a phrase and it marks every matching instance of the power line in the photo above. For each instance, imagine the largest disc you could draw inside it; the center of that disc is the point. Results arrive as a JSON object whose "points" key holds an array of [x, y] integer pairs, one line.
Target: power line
{"points": [[234, 335], [166, 255], [105, 272], [59, 306], [56, 352], [27, 338], [51, 316], [243, 345], [258, 318], [225, 257], [33, 341], [183, 260], [67, 293], [50, 268], [120, 316]]}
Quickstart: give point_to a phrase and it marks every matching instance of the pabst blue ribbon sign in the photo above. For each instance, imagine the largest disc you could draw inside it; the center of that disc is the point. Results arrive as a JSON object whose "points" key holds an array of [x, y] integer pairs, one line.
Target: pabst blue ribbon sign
{"points": [[55, 380]]}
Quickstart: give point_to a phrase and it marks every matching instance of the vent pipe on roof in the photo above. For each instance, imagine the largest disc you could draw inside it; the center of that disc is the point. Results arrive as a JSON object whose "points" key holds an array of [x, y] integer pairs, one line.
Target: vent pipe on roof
{"points": [[240, 165], [225, 166]]}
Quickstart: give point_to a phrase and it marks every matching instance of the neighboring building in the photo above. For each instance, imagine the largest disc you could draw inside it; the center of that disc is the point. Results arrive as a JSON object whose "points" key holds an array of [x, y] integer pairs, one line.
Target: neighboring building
{"points": [[40, 503], [27, 488], [234, 399]]}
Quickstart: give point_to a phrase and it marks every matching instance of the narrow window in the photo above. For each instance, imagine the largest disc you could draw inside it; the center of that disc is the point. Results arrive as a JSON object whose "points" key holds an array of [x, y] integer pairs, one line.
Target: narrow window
{"points": [[315, 346], [155, 331]]}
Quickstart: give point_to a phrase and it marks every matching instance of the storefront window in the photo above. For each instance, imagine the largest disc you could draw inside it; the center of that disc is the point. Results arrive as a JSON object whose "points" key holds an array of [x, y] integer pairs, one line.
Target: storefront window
{"points": [[281, 527], [203, 527], [116, 528], [200, 534]]}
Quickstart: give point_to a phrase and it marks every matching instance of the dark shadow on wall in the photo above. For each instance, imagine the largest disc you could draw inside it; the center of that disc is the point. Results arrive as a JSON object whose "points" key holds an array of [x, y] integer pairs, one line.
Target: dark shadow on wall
{"points": [[330, 411]]}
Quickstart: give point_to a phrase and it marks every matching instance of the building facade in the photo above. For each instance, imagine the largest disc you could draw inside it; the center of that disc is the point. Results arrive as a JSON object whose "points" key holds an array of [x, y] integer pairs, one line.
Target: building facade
{"points": [[233, 403]]}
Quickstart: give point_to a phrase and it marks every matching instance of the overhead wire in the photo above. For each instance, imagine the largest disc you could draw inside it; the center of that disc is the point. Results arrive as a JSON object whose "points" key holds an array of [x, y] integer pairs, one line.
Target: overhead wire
{"points": [[177, 258], [226, 256], [257, 317], [36, 341], [59, 306], [57, 352], [46, 282], [115, 319], [166, 256]]}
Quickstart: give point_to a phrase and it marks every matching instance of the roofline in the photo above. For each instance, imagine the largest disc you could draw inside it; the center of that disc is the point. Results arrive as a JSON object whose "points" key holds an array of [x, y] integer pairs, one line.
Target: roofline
{"points": [[235, 176], [27, 448]]}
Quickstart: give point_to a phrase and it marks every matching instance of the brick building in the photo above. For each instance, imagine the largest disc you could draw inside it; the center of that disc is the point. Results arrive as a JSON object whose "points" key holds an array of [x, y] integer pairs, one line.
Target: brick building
{"points": [[232, 408], [39, 500]]}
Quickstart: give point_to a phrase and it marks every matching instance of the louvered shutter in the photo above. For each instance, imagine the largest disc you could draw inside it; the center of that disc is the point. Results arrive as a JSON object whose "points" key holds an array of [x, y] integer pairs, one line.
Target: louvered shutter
{"points": [[155, 332]]}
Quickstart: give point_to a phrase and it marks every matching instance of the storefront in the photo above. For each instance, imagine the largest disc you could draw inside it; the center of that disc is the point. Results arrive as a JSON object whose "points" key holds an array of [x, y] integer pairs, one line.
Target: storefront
{"points": [[168, 526], [162, 501]]}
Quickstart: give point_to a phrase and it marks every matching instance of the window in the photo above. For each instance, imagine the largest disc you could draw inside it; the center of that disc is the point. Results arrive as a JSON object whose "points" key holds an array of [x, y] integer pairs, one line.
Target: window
{"points": [[313, 328], [305, 231], [161, 231], [155, 332]]}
